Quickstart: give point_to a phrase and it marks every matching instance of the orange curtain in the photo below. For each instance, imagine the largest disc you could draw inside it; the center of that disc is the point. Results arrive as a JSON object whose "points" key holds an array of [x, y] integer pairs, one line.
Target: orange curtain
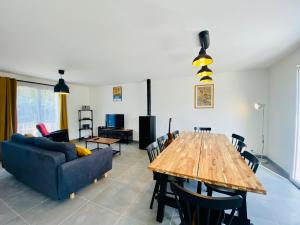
{"points": [[63, 111], [8, 107]]}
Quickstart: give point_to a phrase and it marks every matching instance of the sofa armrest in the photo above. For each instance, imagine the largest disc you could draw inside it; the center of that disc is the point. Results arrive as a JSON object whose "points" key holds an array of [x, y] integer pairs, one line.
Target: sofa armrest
{"points": [[78, 173], [33, 166]]}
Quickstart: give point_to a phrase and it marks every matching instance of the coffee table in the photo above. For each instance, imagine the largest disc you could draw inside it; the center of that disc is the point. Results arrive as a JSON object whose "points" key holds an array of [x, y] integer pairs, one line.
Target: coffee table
{"points": [[104, 141]]}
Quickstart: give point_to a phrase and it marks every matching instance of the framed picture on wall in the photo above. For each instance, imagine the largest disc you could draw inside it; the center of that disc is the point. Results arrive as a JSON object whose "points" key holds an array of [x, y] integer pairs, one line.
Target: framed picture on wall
{"points": [[204, 96], [117, 94]]}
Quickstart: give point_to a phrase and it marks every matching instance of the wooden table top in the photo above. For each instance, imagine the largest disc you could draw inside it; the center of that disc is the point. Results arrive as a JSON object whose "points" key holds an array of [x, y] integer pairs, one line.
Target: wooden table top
{"points": [[209, 158], [102, 140]]}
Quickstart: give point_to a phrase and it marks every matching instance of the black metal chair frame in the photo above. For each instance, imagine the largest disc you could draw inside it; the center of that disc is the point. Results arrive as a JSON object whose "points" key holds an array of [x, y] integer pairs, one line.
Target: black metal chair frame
{"points": [[235, 138], [161, 142], [153, 151], [175, 134], [204, 129], [253, 163], [202, 209], [240, 146]]}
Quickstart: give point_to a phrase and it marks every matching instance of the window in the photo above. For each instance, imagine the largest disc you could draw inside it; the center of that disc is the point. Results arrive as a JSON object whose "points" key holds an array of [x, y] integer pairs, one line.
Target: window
{"points": [[36, 104]]}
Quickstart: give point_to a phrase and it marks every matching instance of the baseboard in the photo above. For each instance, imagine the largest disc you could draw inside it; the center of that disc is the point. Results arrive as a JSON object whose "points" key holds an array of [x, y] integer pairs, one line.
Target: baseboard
{"points": [[273, 166], [282, 172]]}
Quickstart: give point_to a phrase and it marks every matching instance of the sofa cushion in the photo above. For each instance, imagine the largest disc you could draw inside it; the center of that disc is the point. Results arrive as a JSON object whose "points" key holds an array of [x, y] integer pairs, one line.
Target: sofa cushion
{"points": [[21, 139], [82, 151], [67, 148]]}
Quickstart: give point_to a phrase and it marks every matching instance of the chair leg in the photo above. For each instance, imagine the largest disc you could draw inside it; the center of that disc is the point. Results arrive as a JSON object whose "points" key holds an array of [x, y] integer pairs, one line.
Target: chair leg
{"points": [[209, 191], [155, 192], [199, 187]]}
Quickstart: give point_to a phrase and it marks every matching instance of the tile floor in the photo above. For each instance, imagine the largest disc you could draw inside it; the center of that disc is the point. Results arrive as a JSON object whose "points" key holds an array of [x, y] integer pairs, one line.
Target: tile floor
{"points": [[123, 199]]}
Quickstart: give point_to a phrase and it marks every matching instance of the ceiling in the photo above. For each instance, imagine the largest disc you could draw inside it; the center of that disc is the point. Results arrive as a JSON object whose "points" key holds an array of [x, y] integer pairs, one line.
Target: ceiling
{"points": [[102, 42]]}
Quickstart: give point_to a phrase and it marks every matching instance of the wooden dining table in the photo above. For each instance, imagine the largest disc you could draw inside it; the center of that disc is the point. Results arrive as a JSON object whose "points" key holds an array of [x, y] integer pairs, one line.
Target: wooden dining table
{"points": [[208, 158]]}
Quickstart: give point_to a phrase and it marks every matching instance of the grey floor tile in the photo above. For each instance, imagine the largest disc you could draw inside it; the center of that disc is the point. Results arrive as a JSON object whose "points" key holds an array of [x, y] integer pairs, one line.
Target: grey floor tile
{"points": [[125, 220], [140, 210], [9, 186], [118, 170], [92, 214], [117, 196], [25, 200], [17, 221], [91, 191], [124, 197], [6, 214], [52, 212]]}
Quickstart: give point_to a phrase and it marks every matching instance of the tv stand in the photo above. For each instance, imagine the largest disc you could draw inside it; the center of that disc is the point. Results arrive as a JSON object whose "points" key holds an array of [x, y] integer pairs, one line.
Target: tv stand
{"points": [[125, 135]]}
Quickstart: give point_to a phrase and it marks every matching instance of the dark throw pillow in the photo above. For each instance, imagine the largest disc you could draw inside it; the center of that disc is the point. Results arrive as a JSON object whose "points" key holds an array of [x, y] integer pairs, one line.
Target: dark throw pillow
{"points": [[67, 148], [21, 139]]}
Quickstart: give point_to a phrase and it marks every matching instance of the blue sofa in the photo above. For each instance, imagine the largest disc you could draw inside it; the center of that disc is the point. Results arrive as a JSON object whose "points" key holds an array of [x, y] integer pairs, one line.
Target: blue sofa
{"points": [[48, 171]]}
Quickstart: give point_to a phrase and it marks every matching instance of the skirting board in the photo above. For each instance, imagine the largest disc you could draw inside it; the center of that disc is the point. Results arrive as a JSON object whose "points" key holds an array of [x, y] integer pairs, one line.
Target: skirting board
{"points": [[278, 169]]}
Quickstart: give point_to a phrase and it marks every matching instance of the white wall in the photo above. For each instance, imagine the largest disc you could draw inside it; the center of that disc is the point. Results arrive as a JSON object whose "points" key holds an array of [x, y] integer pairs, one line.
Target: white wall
{"points": [[235, 94], [79, 95], [282, 111], [132, 105]]}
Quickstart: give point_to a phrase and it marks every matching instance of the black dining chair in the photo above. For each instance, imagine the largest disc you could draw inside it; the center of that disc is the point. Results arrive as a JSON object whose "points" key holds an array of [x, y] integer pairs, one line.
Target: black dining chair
{"points": [[204, 129], [153, 151], [252, 162], [196, 209], [196, 129], [235, 138], [175, 134], [161, 142], [241, 146]]}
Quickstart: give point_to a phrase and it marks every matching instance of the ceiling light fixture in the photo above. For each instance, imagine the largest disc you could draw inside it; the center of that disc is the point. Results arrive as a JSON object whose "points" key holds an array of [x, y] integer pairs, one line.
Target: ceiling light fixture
{"points": [[203, 59], [204, 71], [61, 87], [206, 79]]}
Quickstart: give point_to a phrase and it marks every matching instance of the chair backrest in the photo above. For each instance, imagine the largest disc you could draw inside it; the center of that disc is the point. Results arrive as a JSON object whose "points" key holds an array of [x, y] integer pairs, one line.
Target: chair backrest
{"points": [[204, 129], [253, 161], [42, 129], [161, 142], [236, 138], [175, 134], [153, 151], [196, 209], [240, 146]]}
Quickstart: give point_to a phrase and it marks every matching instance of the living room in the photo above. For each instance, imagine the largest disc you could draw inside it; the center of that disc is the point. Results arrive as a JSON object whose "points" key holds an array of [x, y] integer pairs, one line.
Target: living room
{"points": [[105, 119]]}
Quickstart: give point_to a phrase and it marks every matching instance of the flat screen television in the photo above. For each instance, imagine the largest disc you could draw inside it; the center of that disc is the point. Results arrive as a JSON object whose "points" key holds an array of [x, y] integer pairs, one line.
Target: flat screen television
{"points": [[114, 120]]}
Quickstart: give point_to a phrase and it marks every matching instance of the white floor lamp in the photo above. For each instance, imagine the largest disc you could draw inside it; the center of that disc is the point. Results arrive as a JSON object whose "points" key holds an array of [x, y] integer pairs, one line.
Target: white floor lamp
{"points": [[261, 107]]}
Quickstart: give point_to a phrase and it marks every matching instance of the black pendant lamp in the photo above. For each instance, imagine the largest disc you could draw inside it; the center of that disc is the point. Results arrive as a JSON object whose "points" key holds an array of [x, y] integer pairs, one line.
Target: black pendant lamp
{"points": [[61, 87], [203, 59], [204, 71], [206, 79]]}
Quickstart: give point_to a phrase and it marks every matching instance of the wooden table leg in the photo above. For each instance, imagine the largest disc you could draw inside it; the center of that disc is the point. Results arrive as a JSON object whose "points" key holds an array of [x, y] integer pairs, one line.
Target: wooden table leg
{"points": [[161, 197]]}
